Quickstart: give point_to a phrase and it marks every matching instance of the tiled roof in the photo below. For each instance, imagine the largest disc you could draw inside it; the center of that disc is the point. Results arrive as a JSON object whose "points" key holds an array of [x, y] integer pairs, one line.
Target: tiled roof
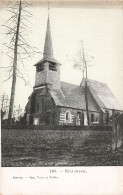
{"points": [[102, 94], [69, 96], [72, 96]]}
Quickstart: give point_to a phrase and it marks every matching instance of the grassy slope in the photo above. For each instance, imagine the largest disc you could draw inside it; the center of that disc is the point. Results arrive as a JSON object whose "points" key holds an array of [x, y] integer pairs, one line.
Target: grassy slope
{"points": [[58, 148]]}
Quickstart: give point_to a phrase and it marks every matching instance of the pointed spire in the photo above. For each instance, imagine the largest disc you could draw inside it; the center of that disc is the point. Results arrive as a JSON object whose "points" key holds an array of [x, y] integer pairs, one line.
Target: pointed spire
{"points": [[48, 50]]}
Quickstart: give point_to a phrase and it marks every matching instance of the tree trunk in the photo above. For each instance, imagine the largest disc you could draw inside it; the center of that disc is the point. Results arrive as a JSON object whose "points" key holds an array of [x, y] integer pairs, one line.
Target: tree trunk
{"points": [[86, 97], [11, 106]]}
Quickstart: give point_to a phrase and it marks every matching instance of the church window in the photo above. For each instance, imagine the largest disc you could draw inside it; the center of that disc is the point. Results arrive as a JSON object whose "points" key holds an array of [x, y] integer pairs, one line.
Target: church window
{"points": [[79, 115], [68, 116], [53, 67], [92, 117], [40, 67]]}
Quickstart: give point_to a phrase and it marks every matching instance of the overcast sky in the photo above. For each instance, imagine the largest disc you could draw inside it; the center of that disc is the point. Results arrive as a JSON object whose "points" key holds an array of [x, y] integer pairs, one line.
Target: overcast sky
{"points": [[100, 28]]}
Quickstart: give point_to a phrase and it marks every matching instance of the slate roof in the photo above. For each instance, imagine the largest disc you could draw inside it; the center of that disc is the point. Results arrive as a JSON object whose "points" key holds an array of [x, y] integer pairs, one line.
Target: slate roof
{"points": [[72, 96], [102, 95], [48, 59], [69, 96]]}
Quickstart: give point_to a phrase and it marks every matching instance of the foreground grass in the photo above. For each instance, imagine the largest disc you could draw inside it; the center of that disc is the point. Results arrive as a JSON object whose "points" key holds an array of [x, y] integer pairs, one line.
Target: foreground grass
{"points": [[30, 148]]}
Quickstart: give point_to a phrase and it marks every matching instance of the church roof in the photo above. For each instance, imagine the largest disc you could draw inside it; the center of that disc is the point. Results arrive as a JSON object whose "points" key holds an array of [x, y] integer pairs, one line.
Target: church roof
{"points": [[102, 94], [73, 96], [49, 59], [69, 96], [48, 49]]}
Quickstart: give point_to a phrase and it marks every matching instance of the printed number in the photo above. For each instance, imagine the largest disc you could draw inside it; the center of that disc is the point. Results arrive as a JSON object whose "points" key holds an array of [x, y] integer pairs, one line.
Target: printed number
{"points": [[52, 170]]}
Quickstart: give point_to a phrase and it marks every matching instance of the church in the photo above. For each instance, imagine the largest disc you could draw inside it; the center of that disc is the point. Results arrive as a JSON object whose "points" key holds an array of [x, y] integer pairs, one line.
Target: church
{"points": [[53, 102]]}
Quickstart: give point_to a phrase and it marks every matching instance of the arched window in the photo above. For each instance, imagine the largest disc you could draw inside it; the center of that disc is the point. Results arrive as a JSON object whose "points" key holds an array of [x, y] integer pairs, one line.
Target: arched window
{"points": [[68, 116], [92, 117]]}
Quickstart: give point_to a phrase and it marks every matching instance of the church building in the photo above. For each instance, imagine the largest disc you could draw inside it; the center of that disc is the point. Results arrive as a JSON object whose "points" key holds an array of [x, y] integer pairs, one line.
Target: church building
{"points": [[57, 103]]}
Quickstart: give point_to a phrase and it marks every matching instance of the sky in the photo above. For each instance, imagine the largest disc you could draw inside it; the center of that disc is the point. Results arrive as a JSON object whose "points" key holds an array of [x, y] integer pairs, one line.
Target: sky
{"points": [[101, 28]]}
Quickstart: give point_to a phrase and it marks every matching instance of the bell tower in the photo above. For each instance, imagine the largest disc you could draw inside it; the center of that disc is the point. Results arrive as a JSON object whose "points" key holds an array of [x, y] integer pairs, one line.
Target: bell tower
{"points": [[48, 69]]}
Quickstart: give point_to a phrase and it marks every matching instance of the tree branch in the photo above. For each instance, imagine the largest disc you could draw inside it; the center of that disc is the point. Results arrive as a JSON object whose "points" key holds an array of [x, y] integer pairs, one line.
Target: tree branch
{"points": [[12, 11], [11, 18], [8, 46], [22, 79], [9, 27], [21, 59], [8, 78], [26, 51], [27, 12], [6, 67], [26, 19], [12, 39], [7, 55]]}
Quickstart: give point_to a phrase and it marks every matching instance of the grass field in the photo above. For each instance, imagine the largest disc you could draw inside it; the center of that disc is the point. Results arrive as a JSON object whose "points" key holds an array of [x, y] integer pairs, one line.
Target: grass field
{"points": [[31, 148]]}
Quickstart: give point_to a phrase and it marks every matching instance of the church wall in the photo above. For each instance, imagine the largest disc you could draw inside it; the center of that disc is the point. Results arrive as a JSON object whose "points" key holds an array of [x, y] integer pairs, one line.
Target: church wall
{"points": [[95, 117], [62, 119], [45, 110], [48, 76], [53, 77], [107, 116], [40, 77], [74, 119]]}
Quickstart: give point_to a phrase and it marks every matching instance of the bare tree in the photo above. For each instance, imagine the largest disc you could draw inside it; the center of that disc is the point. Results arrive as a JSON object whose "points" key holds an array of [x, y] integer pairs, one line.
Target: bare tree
{"points": [[19, 112], [18, 48], [82, 63], [4, 105]]}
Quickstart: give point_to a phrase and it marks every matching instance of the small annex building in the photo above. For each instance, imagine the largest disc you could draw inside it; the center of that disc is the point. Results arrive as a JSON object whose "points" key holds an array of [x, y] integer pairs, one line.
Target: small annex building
{"points": [[57, 103]]}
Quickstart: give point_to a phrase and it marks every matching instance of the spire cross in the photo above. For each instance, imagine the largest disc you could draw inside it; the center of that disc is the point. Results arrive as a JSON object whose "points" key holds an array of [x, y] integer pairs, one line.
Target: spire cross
{"points": [[48, 8]]}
